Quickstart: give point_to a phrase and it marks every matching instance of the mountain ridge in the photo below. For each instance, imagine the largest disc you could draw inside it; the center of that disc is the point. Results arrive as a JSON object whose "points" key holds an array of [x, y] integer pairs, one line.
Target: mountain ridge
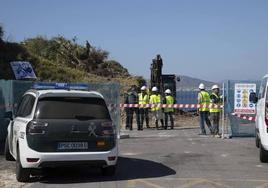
{"points": [[187, 82]]}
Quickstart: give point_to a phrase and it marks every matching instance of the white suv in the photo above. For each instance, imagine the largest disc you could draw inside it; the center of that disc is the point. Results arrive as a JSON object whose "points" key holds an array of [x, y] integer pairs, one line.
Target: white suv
{"points": [[262, 119], [59, 127]]}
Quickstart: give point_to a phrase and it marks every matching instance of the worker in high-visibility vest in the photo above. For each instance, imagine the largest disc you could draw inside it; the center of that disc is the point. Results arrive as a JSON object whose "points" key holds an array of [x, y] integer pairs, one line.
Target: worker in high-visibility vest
{"points": [[155, 98], [215, 109], [168, 99], [143, 111], [204, 101]]}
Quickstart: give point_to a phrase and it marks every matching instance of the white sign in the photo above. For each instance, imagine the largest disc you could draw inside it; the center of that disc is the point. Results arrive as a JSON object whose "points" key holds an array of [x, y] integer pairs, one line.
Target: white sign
{"points": [[22, 70], [242, 105]]}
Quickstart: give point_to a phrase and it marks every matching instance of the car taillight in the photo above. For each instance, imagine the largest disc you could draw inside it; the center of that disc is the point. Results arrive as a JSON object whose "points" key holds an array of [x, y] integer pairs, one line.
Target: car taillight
{"points": [[107, 128], [36, 127], [266, 113], [111, 158]]}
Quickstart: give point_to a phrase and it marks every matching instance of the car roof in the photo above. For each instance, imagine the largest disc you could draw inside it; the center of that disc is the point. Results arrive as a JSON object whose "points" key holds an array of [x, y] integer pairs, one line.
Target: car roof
{"points": [[266, 76], [64, 93]]}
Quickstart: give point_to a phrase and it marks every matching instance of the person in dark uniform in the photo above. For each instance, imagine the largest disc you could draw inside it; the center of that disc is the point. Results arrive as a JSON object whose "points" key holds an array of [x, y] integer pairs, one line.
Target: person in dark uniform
{"points": [[132, 98], [126, 111]]}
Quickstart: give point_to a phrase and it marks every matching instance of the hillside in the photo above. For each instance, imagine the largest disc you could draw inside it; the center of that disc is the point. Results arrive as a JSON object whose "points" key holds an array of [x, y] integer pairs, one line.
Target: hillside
{"points": [[61, 59], [192, 83]]}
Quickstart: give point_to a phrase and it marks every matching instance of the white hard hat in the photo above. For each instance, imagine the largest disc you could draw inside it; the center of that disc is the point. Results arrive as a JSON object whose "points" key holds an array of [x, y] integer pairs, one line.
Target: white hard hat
{"points": [[154, 88], [143, 88], [215, 87], [201, 86], [168, 91]]}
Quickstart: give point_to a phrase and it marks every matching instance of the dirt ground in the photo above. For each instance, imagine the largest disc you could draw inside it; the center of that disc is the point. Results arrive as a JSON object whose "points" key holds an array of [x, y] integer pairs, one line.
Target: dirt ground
{"points": [[182, 119], [7, 171]]}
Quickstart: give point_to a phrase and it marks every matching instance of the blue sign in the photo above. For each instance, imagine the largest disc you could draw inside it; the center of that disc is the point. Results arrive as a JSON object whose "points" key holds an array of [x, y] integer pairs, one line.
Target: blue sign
{"points": [[22, 70]]}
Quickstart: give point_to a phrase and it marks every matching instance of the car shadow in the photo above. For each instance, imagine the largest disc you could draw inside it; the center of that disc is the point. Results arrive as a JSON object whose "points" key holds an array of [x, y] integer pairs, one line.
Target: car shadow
{"points": [[128, 169], [2, 147]]}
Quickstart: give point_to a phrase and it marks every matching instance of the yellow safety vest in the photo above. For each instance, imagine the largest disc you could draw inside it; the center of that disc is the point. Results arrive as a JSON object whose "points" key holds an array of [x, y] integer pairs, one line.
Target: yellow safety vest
{"points": [[204, 101], [143, 99], [169, 100], [155, 99], [213, 108]]}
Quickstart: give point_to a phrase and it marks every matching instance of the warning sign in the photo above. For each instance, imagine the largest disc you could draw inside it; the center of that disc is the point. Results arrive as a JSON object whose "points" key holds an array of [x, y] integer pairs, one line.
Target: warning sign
{"points": [[22, 70], [242, 105]]}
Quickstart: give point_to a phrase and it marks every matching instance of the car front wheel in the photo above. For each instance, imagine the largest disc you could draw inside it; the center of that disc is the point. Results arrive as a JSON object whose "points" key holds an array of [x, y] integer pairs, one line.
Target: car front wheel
{"points": [[22, 174], [257, 141], [8, 155], [263, 154]]}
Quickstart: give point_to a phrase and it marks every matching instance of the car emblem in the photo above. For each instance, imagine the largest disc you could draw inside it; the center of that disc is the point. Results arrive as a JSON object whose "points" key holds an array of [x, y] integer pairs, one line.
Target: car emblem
{"points": [[91, 130], [74, 128]]}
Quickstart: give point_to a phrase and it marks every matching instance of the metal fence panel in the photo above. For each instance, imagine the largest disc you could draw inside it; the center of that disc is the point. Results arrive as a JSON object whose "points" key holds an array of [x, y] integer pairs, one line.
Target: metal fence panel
{"points": [[111, 93], [11, 92], [187, 96], [239, 127], [5, 105]]}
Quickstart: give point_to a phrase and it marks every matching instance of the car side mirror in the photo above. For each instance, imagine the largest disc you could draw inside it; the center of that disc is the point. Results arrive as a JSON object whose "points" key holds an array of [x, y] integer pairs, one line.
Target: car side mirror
{"points": [[253, 97], [8, 115]]}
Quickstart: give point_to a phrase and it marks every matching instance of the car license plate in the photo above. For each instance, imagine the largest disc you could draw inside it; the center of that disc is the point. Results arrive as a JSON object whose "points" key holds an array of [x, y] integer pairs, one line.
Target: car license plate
{"points": [[72, 145]]}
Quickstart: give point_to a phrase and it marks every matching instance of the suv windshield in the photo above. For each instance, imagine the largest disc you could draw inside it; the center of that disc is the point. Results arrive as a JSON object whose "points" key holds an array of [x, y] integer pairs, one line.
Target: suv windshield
{"points": [[81, 108]]}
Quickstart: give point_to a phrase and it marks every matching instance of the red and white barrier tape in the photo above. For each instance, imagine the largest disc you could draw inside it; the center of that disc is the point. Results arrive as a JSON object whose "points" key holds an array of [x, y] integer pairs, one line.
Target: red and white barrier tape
{"points": [[169, 106], [147, 106], [244, 117]]}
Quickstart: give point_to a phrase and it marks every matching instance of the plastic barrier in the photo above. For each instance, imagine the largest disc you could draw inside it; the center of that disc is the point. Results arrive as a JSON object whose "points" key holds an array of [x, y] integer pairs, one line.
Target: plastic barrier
{"points": [[249, 118]]}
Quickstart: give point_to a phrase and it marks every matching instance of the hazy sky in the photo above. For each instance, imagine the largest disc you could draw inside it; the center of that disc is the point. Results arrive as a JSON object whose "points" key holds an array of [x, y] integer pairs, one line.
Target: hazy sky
{"points": [[208, 39]]}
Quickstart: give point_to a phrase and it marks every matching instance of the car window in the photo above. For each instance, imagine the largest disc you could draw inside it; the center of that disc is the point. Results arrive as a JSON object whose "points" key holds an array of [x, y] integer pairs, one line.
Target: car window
{"points": [[83, 108], [262, 88], [29, 106], [266, 93], [21, 106], [26, 106]]}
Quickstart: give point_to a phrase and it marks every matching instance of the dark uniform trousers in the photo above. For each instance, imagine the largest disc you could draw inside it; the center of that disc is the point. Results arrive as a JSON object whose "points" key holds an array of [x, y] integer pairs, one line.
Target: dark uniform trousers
{"points": [[170, 115], [129, 120], [144, 114]]}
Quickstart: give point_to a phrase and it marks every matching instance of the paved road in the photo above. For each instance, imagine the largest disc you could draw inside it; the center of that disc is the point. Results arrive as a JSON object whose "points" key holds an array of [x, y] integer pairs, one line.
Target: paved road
{"points": [[160, 159]]}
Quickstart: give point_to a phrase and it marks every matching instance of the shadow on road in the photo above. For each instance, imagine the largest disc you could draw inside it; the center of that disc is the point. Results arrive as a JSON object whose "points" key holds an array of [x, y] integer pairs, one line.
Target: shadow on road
{"points": [[128, 169], [2, 148]]}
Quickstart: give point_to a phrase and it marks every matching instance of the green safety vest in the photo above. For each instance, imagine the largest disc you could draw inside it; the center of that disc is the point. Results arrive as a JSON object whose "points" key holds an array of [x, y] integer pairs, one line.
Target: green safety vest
{"points": [[143, 99], [213, 108], [155, 99], [204, 100], [169, 100]]}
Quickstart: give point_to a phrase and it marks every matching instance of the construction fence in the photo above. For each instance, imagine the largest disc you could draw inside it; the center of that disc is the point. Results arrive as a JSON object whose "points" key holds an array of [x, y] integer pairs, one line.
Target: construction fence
{"points": [[234, 124], [11, 92], [238, 124]]}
